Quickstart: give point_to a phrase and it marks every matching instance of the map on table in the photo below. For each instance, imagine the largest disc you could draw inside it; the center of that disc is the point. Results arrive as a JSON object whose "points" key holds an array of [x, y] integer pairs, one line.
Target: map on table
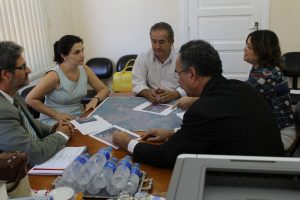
{"points": [[118, 111]]}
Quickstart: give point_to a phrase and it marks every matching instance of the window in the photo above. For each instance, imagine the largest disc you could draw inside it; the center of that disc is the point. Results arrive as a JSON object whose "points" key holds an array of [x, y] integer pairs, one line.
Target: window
{"points": [[25, 22]]}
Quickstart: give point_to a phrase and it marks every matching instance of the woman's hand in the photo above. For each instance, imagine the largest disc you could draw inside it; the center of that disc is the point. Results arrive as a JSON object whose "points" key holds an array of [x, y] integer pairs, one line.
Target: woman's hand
{"points": [[91, 105], [62, 117]]}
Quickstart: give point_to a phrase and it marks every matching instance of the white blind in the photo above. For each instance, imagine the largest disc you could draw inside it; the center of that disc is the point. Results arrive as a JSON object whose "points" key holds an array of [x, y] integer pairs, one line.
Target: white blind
{"points": [[25, 22]]}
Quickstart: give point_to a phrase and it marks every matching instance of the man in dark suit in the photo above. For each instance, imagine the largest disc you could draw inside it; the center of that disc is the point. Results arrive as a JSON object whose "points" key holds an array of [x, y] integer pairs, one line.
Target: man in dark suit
{"points": [[229, 118], [18, 130]]}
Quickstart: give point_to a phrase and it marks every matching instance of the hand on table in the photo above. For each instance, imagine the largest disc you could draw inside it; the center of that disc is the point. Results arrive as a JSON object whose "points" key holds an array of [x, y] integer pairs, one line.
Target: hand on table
{"points": [[91, 105], [121, 139], [157, 135], [166, 96], [66, 128], [63, 118]]}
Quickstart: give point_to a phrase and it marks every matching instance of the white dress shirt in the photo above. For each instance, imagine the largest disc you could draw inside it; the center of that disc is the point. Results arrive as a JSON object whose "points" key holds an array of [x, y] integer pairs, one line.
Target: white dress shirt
{"points": [[148, 72]]}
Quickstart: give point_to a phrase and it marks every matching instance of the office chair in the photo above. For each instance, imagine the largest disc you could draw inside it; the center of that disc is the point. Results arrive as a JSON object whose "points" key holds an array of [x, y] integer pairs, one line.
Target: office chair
{"points": [[24, 93], [122, 61], [291, 68], [103, 68]]}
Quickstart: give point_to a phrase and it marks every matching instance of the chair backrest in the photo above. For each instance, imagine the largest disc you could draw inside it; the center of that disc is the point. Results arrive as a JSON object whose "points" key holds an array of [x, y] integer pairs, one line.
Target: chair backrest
{"points": [[291, 66], [24, 93], [102, 67], [123, 60]]}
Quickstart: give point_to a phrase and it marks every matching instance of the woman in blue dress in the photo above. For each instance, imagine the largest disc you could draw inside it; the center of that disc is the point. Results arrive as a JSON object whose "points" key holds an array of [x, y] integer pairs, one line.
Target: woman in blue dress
{"points": [[65, 85]]}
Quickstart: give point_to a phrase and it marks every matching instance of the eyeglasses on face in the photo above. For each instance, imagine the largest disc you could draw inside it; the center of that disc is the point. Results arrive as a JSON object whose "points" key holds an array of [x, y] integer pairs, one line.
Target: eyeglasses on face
{"points": [[22, 67], [177, 73]]}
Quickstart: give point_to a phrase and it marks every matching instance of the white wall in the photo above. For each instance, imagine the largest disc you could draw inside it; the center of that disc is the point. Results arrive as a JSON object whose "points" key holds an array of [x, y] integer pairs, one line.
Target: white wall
{"points": [[111, 28], [284, 20], [60, 18]]}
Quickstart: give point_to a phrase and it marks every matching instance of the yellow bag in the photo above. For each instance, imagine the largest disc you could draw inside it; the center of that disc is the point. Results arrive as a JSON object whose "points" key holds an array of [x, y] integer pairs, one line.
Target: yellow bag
{"points": [[122, 81]]}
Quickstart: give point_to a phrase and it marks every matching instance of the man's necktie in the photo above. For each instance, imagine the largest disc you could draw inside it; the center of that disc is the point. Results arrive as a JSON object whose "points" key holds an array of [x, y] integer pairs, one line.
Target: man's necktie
{"points": [[25, 121]]}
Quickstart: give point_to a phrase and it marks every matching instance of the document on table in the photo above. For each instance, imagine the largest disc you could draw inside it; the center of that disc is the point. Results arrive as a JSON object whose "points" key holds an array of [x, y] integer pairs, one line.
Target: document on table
{"points": [[57, 163], [159, 109], [91, 124], [106, 135]]}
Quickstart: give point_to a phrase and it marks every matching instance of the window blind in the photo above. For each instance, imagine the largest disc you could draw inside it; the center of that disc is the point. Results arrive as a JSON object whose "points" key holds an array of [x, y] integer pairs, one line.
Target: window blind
{"points": [[25, 22]]}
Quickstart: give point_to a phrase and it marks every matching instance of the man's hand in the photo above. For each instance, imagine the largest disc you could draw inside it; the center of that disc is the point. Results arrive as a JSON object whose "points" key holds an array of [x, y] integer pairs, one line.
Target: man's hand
{"points": [[121, 139], [166, 96], [185, 102], [151, 95], [66, 128], [157, 135]]}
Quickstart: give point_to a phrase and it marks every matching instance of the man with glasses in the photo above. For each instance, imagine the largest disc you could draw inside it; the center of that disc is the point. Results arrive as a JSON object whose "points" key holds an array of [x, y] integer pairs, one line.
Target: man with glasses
{"points": [[229, 118], [153, 74], [18, 130]]}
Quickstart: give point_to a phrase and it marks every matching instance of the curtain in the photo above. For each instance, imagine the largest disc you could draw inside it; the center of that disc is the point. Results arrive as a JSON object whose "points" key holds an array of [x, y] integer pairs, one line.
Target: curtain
{"points": [[25, 22]]}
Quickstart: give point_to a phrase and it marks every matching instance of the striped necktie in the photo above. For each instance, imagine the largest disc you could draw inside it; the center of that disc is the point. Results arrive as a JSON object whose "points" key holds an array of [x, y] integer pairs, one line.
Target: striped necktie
{"points": [[25, 121]]}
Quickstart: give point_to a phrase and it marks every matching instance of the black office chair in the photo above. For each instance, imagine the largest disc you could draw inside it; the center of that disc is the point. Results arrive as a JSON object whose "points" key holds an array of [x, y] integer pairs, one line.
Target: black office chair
{"points": [[122, 61], [291, 68], [103, 68], [24, 93]]}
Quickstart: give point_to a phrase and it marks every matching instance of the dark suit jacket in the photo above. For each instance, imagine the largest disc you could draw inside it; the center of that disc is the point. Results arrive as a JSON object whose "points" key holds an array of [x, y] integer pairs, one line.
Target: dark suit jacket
{"points": [[229, 118], [15, 137]]}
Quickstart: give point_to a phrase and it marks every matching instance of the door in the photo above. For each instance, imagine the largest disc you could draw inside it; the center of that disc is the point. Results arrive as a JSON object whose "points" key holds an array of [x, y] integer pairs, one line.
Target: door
{"points": [[225, 24]]}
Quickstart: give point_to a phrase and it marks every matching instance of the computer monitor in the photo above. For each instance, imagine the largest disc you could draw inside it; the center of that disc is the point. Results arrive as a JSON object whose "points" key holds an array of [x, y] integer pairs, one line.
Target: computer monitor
{"points": [[219, 177]]}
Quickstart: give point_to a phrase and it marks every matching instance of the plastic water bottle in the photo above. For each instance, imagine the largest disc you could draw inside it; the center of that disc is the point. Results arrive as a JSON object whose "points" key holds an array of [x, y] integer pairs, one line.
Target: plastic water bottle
{"points": [[71, 171], [112, 190], [101, 179], [93, 165], [98, 160], [134, 179], [120, 177]]}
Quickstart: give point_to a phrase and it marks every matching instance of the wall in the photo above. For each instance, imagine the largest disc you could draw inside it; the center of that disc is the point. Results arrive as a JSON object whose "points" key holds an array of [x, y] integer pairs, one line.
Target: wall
{"points": [[112, 28], [284, 20], [60, 18]]}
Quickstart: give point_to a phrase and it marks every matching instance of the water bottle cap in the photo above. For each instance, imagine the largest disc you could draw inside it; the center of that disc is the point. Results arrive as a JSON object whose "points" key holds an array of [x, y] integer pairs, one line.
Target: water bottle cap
{"points": [[136, 165], [83, 160], [128, 157], [109, 148], [114, 159]]}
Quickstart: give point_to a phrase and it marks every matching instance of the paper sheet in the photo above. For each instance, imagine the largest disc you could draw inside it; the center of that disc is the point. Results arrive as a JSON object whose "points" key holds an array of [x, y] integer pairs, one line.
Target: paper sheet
{"points": [[57, 163], [159, 109], [106, 135], [91, 124]]}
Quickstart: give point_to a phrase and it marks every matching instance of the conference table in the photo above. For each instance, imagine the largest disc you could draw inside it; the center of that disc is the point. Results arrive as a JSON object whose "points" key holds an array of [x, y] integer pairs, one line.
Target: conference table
{"points": [[161, 177]]}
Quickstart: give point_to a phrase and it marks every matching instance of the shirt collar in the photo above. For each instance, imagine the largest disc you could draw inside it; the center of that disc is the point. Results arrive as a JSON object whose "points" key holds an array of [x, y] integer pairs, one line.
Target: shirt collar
{"points": [[170, 57], [7, 96]]}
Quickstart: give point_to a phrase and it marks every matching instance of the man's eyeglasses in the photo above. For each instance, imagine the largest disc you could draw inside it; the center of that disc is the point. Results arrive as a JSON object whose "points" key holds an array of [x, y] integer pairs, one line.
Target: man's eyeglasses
{"points": [[22, 67], [177, 74]]}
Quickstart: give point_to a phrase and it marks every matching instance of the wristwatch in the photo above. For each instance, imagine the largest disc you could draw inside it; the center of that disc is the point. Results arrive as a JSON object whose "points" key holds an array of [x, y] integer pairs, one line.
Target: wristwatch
{"points": [[98, 98]]}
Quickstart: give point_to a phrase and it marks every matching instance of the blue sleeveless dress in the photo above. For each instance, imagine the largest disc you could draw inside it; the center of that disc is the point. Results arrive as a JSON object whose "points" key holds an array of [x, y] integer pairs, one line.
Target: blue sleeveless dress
{"points": [[67, 97]]}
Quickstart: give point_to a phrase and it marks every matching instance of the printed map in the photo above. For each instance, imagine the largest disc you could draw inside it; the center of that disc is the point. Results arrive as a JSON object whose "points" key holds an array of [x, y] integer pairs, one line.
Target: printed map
{"points": [[118, 111]]}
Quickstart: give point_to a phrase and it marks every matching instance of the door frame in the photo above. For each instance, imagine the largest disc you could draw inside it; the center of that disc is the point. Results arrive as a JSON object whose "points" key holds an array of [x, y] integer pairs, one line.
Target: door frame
{"points": [[184, 27]]}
